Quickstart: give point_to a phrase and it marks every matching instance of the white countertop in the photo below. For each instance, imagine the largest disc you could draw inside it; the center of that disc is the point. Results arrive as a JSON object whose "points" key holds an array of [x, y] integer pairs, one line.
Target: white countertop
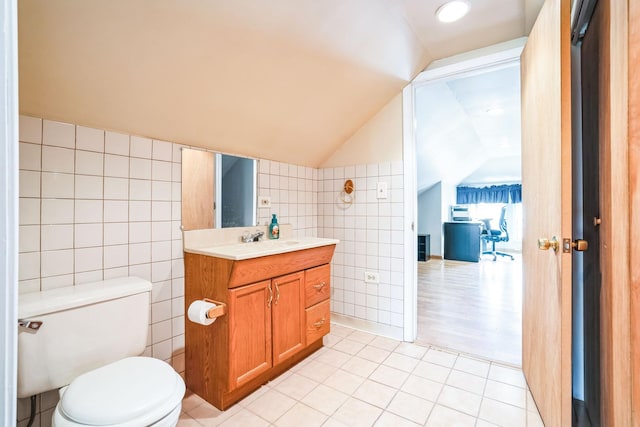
{"points": [[241, 251]]}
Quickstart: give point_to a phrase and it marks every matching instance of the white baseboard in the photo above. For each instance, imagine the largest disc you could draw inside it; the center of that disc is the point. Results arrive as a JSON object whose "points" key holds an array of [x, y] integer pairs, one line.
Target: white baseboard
{"points": [[368, 326]]}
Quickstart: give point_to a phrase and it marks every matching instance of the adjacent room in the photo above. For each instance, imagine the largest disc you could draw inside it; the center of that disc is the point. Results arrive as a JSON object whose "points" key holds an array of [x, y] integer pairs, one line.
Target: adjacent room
{"points": [[470, 212]]}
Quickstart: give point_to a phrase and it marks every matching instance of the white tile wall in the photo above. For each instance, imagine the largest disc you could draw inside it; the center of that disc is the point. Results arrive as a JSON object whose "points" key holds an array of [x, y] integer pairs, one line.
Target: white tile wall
{"points": [[86, 214], [293, 192], [371, 240]]}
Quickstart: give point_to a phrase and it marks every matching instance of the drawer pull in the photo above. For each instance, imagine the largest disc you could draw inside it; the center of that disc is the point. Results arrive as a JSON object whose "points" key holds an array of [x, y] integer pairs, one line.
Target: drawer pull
{"points": [[319, 286], [319, 323]]}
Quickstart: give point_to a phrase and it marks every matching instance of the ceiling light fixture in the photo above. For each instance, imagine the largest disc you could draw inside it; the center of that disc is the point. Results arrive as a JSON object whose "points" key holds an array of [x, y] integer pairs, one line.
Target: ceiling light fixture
{"points": [[452, 11]]}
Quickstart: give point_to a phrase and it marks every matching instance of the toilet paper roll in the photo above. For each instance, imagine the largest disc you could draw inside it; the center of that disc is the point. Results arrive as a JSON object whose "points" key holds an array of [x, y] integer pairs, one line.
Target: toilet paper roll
{"points": [[197, 312]]}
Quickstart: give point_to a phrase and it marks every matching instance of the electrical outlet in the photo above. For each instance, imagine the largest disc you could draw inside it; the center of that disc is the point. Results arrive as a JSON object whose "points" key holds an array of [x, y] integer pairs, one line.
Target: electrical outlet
{"points": [[370, 277], [264, 202]]}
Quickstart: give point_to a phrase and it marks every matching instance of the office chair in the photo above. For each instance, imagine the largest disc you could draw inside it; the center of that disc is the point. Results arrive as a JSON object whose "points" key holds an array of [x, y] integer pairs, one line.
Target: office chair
{"points": [[493, 236]]}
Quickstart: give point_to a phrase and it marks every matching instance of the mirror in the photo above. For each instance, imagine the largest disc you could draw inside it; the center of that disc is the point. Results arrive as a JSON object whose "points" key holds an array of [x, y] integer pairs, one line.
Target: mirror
{"points": [[218, 190]]}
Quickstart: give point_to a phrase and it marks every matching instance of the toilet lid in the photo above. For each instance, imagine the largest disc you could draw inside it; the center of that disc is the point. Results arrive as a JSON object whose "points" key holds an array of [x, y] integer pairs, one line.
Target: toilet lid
{"points": [[121, 391]]}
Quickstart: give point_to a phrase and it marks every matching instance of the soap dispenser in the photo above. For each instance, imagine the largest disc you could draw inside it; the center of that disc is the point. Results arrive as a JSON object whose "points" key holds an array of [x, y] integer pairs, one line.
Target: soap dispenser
{"points": [[274, 229]]}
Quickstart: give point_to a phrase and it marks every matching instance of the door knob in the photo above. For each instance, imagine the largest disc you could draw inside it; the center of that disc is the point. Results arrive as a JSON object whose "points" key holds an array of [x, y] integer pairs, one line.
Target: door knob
{"points": [[545, 244]]}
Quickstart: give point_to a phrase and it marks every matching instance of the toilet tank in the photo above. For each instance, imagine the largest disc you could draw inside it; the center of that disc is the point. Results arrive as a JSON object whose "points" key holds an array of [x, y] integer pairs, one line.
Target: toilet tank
{"points": [[83, 327]]}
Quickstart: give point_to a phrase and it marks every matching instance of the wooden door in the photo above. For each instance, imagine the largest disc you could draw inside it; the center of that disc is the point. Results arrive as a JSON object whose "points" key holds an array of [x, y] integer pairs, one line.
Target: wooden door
{"points": [[289, 326], [546, 190], [249, 332], [197, 189]]}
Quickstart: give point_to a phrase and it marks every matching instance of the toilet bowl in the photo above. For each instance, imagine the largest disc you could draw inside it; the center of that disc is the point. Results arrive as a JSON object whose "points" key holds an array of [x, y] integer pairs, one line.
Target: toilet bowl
{"points": [[86, 341], [135, 391]]}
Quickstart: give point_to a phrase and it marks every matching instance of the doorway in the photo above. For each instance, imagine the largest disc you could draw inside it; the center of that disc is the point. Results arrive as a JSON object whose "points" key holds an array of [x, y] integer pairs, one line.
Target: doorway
{"points": [[462, 295], [587, 276]]}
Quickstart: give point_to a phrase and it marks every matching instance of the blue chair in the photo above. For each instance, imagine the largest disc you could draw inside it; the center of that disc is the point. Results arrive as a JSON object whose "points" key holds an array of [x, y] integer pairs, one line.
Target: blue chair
{"points": [[501, 235]]}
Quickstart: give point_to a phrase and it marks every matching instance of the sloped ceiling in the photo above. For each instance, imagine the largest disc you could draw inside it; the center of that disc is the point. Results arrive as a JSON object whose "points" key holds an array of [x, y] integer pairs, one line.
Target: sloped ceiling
{"points": [[468, 129], [283, 79]]}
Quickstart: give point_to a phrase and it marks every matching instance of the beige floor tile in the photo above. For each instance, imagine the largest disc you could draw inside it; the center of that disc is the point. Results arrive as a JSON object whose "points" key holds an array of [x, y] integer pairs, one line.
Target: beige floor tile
{"points": [[387, 419], [271, 405], [341, 331], [280, 378], [301, 415], [483, 423], [330, 340], [374, 354], [466, 381], [333, 357], [422, 387], [460, 400], [385, 343], [349, 346], [359, 366], [333, 422], [506, 393], [502, 414], [344, 381], [317, 371], [441, 416], [389, 376], [432, 372], [440, 357], [507, 375], [253, 396], [363, 337], [411, 350], [472, 366], [325, 399], [402, 362], [534, 420], [208, 415], [356, 413], [375, 393], [410, 407], [245, 419], [186, 421], [191, 400], [296, 386]]}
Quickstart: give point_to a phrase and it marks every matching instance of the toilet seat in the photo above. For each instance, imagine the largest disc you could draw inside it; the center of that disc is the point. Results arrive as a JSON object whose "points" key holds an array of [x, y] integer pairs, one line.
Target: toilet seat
{"points": [[133, 391]]}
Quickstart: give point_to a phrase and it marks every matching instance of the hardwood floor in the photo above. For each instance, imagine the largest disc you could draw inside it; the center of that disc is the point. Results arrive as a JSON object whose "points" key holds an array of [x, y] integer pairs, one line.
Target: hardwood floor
{"points": [[474, 308]]}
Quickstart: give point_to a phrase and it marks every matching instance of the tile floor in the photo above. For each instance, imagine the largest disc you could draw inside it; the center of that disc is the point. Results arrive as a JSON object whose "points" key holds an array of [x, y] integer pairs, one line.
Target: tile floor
{"points": [[360, 379]]}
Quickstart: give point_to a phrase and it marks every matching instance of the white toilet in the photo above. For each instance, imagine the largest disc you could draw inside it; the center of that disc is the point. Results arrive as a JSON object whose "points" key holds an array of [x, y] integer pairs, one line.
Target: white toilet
{"points": [[86, 345]]}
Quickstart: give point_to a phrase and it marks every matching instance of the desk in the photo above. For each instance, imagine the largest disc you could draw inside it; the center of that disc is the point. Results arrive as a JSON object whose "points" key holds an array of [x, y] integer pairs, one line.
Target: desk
{"points": [[462, 240]]}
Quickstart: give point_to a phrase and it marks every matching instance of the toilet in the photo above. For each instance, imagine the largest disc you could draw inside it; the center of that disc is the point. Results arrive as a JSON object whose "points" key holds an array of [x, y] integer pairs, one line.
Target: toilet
{"points": [[89, 346]]}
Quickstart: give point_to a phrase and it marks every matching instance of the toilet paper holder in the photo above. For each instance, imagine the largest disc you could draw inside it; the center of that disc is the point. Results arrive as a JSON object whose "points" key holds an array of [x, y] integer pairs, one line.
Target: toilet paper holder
{"points": [[219, 310]]}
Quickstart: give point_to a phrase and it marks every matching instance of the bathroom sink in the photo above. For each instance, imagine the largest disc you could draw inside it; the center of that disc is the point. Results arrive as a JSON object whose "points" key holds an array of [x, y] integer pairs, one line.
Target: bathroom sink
{"points": [[239, 251]]}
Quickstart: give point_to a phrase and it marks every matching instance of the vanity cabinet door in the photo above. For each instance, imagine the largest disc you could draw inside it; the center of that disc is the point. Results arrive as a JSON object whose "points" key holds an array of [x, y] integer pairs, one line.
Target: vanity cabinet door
{"points": [[249, 332], [289, 328]]}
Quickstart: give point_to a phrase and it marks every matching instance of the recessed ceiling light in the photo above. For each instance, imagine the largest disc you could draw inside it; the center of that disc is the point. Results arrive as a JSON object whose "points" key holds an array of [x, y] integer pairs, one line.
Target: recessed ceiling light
{"points": [[452, 11]]}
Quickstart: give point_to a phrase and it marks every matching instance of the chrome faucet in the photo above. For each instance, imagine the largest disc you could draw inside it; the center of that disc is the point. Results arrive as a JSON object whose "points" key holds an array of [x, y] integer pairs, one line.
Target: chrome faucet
{"points": [[249, 237]]}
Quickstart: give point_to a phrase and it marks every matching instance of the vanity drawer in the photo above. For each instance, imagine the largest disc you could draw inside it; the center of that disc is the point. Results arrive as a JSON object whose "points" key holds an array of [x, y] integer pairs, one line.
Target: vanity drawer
{"points": [[318, 321], [316, 284]]}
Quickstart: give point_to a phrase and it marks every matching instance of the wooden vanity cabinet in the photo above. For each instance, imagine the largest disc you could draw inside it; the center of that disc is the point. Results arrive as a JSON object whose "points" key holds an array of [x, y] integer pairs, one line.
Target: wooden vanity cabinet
{"points": [[277, 314], [249, 332]]}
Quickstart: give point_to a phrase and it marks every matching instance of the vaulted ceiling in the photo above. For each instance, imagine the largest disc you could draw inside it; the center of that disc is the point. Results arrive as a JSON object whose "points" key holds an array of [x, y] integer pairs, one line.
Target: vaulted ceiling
{"points": [[282, 79]]}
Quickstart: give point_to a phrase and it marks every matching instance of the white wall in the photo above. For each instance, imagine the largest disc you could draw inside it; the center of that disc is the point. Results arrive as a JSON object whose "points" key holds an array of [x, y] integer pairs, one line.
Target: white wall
{"points": [[8, 209], [378, 140], [430, 217]]}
